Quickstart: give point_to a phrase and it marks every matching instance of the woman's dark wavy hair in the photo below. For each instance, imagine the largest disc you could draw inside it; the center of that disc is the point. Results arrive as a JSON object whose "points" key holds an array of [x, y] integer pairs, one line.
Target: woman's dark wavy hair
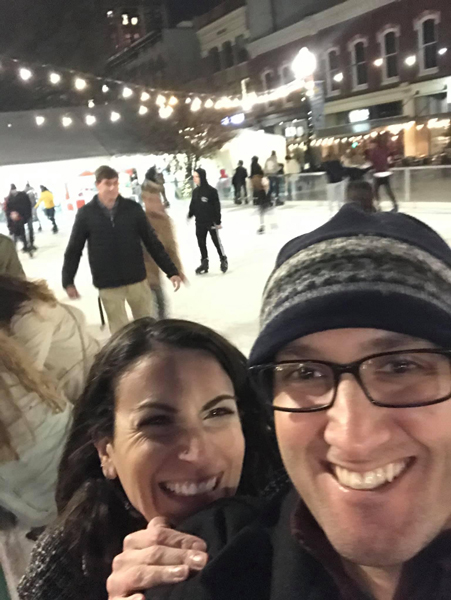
{"points": [[94, 513]]}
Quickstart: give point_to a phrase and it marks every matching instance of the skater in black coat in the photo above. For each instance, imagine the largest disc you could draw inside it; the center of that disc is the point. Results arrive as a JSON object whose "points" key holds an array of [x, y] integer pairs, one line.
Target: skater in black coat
{"points": [[206, 209]]}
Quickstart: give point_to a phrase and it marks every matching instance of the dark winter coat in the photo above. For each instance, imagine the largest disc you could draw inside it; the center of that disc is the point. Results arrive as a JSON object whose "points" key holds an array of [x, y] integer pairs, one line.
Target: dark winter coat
{"points": [[114, 245], [20, 203], [240, 176], [205, 205], [257, 557], [334, 170], [256, 169]]}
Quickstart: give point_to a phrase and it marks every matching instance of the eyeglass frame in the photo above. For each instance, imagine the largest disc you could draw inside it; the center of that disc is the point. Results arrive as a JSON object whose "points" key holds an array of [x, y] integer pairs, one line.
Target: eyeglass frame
{"points": [[352, 368]]}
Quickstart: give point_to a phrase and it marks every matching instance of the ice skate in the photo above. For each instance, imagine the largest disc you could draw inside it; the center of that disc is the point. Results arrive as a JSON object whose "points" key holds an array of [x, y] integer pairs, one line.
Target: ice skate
{"points": [[203, 269], [224, 265]]}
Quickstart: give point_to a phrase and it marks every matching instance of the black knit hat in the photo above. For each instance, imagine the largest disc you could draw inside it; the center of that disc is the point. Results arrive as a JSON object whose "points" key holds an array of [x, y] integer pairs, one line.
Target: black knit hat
{"points": [[383, 271]]}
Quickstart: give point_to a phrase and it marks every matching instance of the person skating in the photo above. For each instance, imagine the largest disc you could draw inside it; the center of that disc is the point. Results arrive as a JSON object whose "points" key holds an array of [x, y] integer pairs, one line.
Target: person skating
{"points": [[19, 212], [379, 157], [116, 229], [206, 209], [33, 199], [164, 228], [272, 168], [47, 199], [239, 183]]}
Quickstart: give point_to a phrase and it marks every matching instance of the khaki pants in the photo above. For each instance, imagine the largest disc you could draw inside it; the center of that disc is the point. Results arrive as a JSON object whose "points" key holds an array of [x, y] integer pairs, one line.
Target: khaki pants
{"points": [[139, 298]]}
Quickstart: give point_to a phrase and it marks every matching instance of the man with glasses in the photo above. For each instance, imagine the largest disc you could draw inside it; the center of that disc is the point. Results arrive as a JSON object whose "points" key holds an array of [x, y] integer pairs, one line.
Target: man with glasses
{"points": [[354, 359]]}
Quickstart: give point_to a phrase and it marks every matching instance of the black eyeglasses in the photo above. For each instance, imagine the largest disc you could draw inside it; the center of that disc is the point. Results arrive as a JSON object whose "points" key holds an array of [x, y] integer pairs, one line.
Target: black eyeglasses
{"points": [[401, 379]]}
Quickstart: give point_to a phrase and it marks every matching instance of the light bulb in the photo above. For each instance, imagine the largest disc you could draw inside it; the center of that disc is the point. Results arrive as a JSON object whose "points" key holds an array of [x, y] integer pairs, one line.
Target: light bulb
{"points": [[25, 74], [173, 101], [115, 116], [105, 89], [90, 120], [80, 84], [127, 92], [143, 110], [55, 78], [145, 96], [160, 101], [209, 103], [67, 121], [196, 104], [40, 121], [166, 111]]}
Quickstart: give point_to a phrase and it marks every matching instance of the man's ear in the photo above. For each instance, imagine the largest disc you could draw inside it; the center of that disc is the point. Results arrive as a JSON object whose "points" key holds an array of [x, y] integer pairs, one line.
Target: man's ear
{"points": [[106, 455]]}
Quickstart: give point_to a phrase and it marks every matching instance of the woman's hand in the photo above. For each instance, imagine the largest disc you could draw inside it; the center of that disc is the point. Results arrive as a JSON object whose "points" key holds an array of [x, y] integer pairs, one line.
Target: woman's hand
{"points": [[154, 556]]}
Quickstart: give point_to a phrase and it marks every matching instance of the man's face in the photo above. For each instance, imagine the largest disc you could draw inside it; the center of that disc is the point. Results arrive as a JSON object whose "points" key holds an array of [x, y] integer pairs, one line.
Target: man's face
{"points": [[108, 190], [390, 524], [196, 178]]}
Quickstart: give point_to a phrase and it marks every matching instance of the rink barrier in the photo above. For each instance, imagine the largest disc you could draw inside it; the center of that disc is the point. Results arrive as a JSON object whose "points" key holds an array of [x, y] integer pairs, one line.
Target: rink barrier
{"points": [[410, 184]]}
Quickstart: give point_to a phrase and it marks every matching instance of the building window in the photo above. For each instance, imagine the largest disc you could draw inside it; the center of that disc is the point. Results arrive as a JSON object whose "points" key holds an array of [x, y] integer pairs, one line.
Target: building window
{"points": [[125, 19], [227, 52], [268, 80], [134, 21], [359, 64], [215, 59], [389, 43], [286, 75], [333, 70], [427, 28], [242, 54]]}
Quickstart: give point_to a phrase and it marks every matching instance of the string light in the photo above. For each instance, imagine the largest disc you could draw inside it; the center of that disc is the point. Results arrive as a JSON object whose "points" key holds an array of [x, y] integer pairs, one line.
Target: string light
{"points": [[105, 89], [91, 104], [127, 92], [188, 101], [209, 103], [25, 74], [55, 78], [143, 110], [90, 120], [173, 101], [196, 105], [165, 112], [67, 121], [80, 84], [40, 121], [145, 96], [115, 116]]}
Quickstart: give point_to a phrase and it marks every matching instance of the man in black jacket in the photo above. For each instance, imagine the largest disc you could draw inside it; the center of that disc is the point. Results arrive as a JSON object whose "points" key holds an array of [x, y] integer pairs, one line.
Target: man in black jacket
{"points": [[239, 183], [19, 212], [354, 358], [116, 229], [206, 208]]}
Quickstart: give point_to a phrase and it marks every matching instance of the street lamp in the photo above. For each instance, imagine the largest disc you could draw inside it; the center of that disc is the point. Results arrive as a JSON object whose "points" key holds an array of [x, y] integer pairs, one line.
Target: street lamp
{"points": [[303, 67]]}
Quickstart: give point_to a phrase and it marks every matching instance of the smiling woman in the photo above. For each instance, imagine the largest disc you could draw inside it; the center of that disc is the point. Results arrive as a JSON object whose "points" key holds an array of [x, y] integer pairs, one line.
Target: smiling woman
{"points": [[167, 424]]}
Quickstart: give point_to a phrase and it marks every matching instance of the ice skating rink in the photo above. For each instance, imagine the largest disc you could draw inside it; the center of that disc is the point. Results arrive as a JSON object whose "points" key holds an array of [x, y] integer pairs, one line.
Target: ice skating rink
{"points": [[228, 303]]}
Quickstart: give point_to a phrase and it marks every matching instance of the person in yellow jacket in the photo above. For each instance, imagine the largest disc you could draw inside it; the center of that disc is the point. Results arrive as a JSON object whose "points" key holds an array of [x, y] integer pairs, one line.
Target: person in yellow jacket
{"points": [[49, 206]]}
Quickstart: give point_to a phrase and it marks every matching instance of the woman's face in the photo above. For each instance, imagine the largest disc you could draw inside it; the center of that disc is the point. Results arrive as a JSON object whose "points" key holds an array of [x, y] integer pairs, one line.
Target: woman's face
{"points": [[178, 443]]}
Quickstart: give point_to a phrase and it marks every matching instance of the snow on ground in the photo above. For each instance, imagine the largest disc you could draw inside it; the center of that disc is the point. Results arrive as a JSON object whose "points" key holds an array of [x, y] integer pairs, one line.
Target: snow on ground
{"points": [[228, 303]]}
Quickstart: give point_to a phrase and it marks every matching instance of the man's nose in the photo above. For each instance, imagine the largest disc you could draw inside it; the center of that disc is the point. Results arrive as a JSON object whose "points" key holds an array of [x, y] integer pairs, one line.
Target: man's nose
{"points": [[356, 427]]}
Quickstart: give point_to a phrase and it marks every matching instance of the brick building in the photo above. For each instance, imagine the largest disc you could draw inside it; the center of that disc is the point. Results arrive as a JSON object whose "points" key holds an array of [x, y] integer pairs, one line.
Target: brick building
{"points": [[380, 62]]}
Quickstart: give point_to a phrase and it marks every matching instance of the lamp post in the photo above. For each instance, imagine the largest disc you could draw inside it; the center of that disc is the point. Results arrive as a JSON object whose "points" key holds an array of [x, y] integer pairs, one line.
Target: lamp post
{"points": [[303, 67]]}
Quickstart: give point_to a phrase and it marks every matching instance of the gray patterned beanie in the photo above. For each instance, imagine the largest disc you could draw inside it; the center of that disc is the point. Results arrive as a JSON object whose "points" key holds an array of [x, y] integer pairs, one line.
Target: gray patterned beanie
{"points": [[383, 271]]}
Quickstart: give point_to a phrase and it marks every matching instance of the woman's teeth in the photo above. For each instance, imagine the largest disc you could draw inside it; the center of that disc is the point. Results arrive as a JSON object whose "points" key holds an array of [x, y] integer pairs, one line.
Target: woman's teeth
{"points": [[188, 488], [371, 479]]}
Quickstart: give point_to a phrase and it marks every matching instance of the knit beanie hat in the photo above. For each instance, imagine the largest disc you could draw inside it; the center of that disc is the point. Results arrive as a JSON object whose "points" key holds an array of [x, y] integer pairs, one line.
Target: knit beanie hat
{"points": [[384, 271]]}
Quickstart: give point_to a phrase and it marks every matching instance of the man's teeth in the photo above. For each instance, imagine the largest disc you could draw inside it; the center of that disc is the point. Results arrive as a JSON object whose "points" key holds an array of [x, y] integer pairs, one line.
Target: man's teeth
{"points": [[190, 488], [371, 479]]}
